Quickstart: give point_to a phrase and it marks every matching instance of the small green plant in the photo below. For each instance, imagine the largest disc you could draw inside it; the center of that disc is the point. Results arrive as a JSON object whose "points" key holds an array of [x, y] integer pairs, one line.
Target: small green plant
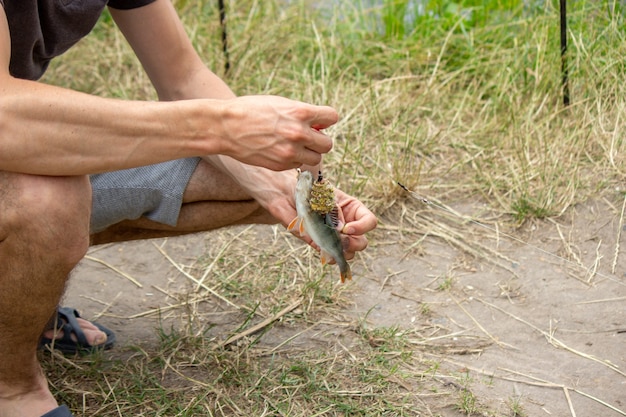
{"points": [[467, 402], [385, 339], [433, 368], [446, 283], [524, 208], [515, 405]]}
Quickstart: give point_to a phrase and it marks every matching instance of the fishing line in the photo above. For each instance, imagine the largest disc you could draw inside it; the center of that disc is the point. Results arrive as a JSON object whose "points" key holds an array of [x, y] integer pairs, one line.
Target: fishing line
{"points": [[428, 202]]}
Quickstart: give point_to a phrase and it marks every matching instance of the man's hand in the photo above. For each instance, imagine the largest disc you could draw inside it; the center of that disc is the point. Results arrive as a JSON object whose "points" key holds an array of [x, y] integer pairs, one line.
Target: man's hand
{"points": [[275, 132], [357, 221]]}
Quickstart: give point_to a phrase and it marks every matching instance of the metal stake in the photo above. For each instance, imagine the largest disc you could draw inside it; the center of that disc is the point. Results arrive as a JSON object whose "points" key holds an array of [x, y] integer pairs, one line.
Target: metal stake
{"points": [[222, 11], [564, 69]]}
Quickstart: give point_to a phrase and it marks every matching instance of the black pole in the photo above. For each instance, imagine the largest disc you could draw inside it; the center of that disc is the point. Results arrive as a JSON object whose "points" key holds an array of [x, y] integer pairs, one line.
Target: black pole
{"points": [[222, 10], [564, 69]]}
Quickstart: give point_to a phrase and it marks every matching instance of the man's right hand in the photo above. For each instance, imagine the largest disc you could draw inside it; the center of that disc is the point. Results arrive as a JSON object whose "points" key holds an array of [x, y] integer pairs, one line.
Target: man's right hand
{"points": [[276, 132]]}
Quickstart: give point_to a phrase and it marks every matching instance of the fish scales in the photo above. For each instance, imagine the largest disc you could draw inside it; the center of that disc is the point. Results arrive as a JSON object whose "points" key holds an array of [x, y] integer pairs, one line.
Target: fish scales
{"points": [[320, 228]]}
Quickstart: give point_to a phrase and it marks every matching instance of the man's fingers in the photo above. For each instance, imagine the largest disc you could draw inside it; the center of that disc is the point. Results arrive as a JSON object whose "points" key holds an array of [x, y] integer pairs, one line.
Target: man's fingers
{"points": [[310, 157], [324, 117], [319, 142], [365, 221]]}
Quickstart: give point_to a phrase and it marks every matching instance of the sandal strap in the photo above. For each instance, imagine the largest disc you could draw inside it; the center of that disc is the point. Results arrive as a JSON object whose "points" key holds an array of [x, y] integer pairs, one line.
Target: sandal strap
{"points": [[68, 316]]}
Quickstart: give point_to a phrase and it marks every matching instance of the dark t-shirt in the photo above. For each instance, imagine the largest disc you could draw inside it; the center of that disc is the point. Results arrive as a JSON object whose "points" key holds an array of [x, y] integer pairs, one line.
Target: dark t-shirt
{"points": [[43, 29]]}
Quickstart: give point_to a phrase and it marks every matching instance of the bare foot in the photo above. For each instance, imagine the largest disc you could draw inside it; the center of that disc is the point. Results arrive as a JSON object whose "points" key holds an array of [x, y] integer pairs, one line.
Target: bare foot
{"points": [[94, 335], [32, 403]]}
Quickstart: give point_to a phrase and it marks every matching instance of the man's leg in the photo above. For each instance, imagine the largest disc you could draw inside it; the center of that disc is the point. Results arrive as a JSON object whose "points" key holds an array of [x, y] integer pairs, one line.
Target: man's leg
{"points": [[44, 232], [211, 200]]}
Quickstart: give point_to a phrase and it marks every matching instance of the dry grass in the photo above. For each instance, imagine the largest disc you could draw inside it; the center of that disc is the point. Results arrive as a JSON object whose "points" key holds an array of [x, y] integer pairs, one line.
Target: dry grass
{"points": [[460, 117], [293, 350]]}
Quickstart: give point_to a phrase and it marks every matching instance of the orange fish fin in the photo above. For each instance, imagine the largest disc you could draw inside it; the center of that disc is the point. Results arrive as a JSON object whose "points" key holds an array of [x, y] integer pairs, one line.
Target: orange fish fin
{"points": [[296, 225], [346, 276], [325, 257]]}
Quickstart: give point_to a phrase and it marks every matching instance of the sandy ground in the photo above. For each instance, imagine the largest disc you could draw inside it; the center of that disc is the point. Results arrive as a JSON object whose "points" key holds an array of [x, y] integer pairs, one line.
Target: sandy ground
{"points": [[520, 322]]}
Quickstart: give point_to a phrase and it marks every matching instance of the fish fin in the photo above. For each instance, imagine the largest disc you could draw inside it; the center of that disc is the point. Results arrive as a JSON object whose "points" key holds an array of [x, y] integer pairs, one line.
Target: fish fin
{"points": [[297, 225], [325, 257], [332, 219], [346, 275], [294, 224]]}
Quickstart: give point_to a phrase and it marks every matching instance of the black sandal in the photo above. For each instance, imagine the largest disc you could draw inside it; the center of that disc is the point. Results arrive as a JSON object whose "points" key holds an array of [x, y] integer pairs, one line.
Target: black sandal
{"points": [[61, 411], [66, 321]]}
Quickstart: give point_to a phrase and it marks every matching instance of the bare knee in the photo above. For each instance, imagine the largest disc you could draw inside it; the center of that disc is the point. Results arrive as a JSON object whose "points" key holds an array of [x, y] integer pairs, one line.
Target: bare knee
{"points": [[49, 213]]}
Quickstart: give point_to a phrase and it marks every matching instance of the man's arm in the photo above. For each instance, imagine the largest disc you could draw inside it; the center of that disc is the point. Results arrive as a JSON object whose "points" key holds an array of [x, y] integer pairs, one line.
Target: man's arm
{"points": [[177, 72], [159, 40], [38, 123], [53, 131], [5, 41], [50, 130]]}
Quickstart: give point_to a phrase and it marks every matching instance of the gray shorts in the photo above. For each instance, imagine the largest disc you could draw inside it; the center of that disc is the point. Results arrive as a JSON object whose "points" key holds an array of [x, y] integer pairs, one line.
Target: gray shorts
{"points": [[154, 191]]}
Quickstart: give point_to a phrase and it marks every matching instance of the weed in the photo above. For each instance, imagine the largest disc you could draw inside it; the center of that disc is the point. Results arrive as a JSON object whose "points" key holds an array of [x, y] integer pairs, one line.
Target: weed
{"points": [[446, 283], [467, 402], [515, 405]]}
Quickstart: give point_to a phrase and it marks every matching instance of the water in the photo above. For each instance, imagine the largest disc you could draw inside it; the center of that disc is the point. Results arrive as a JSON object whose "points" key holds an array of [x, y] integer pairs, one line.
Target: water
{"points": [[373, 12], [398, 18]]}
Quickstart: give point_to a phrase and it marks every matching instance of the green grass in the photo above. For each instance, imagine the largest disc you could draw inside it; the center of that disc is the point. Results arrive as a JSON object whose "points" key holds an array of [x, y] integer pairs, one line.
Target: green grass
{"points": [[458, 108]]}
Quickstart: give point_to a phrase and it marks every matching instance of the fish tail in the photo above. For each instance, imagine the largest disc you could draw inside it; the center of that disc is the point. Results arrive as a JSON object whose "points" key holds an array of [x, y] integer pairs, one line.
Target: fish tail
{"points": [[346, 273]]}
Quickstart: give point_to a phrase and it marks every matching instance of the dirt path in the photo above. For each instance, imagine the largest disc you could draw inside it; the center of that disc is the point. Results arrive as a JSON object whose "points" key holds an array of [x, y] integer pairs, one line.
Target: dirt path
{"points": [[532, 328]]}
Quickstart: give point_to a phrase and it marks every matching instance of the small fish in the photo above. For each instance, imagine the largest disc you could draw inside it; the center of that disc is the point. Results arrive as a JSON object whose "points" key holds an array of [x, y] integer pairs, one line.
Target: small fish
{"points": [[320, 228]]}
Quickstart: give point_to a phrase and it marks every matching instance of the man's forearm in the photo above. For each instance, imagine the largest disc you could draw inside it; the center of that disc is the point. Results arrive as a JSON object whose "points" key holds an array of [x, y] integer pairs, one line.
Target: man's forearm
{"points": [[54, 131]]}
